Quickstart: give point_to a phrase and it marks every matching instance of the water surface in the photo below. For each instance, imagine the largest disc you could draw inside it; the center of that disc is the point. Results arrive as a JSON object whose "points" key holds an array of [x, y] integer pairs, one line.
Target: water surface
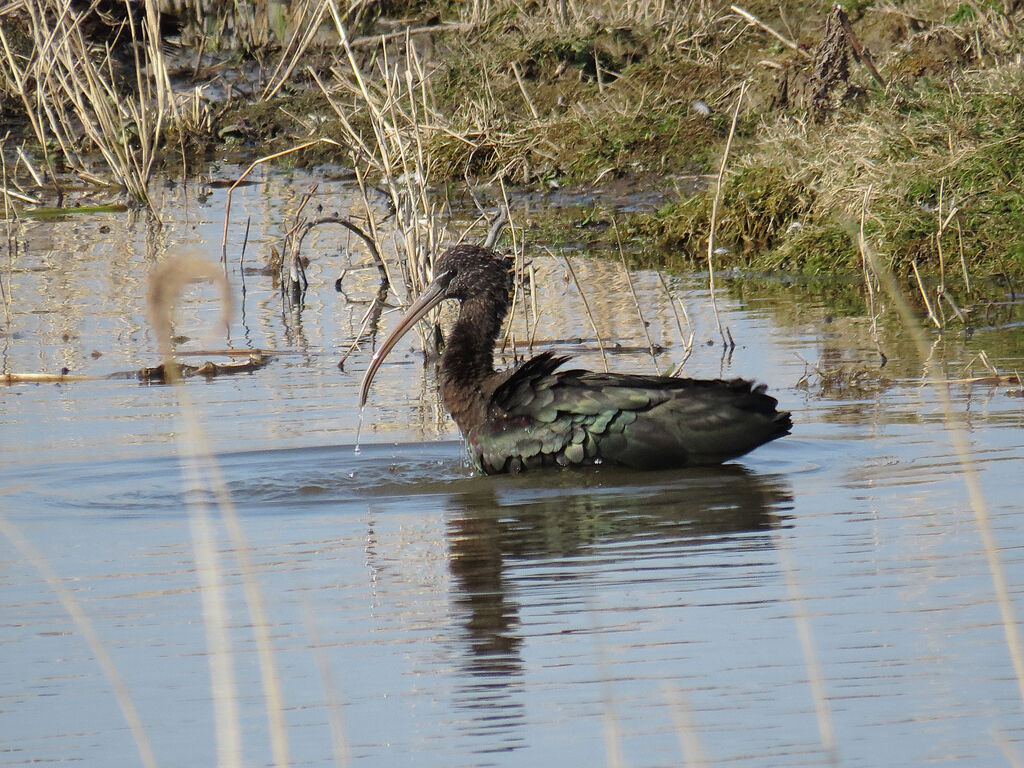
{"points": [[421, 615]]}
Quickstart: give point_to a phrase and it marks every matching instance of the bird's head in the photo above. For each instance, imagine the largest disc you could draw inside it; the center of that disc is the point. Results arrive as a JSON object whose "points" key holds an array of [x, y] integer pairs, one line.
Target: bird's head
{"points": [[463, 272]]}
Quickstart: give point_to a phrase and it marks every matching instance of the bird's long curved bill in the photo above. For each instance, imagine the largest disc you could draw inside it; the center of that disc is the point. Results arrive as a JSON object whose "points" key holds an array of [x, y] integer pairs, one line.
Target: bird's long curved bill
{"points": [[432, 295]]}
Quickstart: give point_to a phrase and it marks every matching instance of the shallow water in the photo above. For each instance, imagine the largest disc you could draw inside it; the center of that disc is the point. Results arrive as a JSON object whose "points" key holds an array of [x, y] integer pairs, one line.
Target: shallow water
{"points": [[421, 615]]}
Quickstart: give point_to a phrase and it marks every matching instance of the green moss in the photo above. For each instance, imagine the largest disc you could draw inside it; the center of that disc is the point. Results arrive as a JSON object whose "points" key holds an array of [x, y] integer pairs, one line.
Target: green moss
{"points": [[822, 249], [757, 207]]}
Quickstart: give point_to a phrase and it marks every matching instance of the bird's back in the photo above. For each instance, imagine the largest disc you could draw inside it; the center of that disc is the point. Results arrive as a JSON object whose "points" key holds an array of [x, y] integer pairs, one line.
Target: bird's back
{"points": [[539, 416]]}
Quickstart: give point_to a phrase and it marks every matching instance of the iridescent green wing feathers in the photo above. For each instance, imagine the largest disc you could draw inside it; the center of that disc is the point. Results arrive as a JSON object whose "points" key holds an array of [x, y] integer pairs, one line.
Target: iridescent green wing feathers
{"points": [[540, 417]]}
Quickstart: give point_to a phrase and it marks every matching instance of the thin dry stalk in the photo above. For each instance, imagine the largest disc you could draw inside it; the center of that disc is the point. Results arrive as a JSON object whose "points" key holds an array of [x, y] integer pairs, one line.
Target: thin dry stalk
{"points": [[963, 258], [166, 284], [88, 632], [339, 743], [924, 296], [815, 674], [586, 306], [682, 719], [69, 93], [714, 216], [687, 341], [497, 226], [752, 19], [522, 88], [305, 30], [868, 282], [9, 193], [938, 236], [5, 291], [242, 177], [29, 167], [636, 301], [398, 107], [972, 476], [940, 291], [1013, 757]]}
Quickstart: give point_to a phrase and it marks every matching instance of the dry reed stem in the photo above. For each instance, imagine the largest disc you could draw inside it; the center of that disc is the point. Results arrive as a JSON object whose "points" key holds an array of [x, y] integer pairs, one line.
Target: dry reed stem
{"points": [[88, 632], [752, 19], [714, 212], [963, 258], [1013, 757], [5, 291], [687, 342], [67, 93], [682, 719], [304, 32], [378, 39], [924, 296], [44, 378], [19, 77], [586, 306], [339, 742], [862, 244], [246, 172], [614, 756], [166, 283], [636, 301], [400, 114], [8, 193], [522, 88], [815, 674], [972, 476]]}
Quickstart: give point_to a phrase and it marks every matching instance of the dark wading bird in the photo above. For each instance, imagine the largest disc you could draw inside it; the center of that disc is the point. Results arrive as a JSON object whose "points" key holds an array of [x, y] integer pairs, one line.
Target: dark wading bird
{"points": [[535, 415]]}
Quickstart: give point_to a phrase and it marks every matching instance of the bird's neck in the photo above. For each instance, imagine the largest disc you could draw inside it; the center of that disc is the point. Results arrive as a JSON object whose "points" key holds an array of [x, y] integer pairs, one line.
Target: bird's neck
{"points": [[468, 360]]}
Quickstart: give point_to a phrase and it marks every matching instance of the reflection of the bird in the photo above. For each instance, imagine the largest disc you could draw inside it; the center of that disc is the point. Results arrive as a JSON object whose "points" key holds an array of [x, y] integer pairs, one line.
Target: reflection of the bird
{"points": [[493, 522]]}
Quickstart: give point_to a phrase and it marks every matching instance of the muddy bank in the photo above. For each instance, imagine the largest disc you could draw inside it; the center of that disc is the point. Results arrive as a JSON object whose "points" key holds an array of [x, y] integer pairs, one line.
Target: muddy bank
{"points": [[899, 121]]}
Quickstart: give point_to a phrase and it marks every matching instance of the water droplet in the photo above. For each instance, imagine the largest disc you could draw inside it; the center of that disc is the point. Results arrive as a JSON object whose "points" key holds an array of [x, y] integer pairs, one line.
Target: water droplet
{"points": [[359, 426]]}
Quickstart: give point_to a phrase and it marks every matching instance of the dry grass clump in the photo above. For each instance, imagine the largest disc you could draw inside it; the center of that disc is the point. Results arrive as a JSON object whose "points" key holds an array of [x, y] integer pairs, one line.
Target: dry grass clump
{"points": [[940, 156], [577, 89], [385, 120], [942, 163], [82, 96], [918, 101]]}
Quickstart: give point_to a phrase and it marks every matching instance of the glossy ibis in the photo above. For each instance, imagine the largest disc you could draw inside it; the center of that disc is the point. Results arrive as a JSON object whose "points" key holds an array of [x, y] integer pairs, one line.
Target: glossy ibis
{"points": [[535, 415]]}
